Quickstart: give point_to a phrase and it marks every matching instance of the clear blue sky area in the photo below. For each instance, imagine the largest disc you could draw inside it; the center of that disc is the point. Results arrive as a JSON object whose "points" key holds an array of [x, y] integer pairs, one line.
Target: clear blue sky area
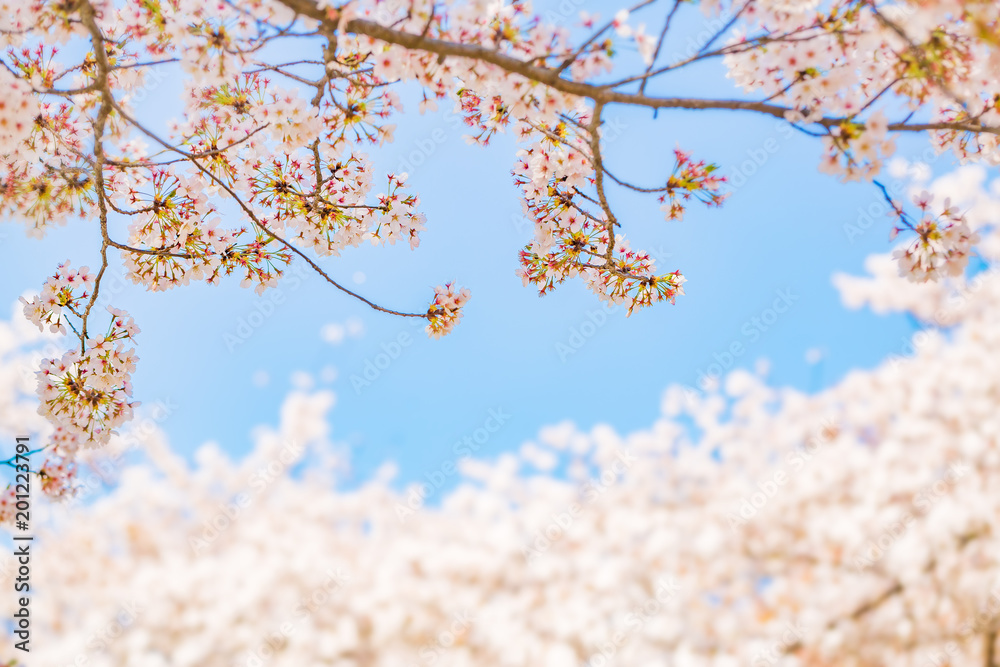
{"points": [[541, 360]]}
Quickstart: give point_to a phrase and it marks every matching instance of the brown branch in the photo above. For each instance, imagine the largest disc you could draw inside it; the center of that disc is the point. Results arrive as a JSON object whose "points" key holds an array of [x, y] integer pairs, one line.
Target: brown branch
{"points": [[107, 103], [917, 53], [630, 186], [893, 590], [257, 221], [598, 93], [146, 251], [208, 153], [739, 47], [90, 88], [659, 45], [723, 29], [593, 38], [595, 147]]}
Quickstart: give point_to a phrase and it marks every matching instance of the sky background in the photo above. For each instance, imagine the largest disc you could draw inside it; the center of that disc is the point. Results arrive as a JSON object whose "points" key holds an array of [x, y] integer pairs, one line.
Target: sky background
{"points": [[782, 230]]}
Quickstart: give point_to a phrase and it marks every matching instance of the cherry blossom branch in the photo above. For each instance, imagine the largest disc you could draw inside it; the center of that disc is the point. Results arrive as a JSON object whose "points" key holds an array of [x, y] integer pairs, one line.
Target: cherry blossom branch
{"points": [[107, 105], [597, 34], [200, 154], [739, 47], [659, 45], [595, 147], [896, 208], [90, 88], [729, 24], [598, 93], [918, 54], [87, 15], [256, 220], [895, 589], [630, 186], [150, 251]]}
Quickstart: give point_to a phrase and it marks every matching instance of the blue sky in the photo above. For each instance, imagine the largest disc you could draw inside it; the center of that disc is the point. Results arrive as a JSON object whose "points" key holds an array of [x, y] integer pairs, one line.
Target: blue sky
{"points": [[781, 233]]}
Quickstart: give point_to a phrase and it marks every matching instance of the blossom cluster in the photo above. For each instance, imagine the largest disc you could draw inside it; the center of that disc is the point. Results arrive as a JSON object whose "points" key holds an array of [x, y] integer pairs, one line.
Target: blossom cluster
{"points": [[691, 179], [446, 309], [573, 237], [942, 245], [833, 64], [86, 393], [65, 293], [857, 151], [18, 110]]}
